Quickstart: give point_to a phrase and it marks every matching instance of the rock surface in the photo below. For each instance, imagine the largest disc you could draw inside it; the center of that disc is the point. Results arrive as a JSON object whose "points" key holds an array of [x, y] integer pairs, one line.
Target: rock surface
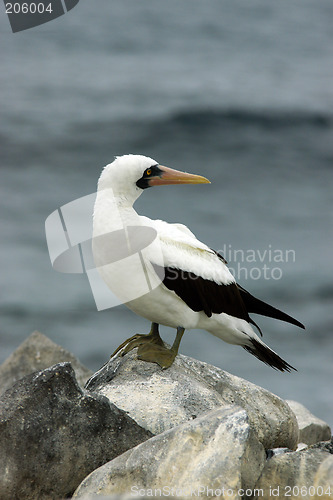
{"points": [[188, 389], [218, 451], [298, 474], [311, 429], [213, 430], [324, 477], [36, 353], [125, 496], [52, 435]]}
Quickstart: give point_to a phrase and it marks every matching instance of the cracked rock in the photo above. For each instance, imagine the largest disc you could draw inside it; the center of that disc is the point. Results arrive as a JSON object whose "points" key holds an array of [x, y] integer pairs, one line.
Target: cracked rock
{"points": [[52, 435]]}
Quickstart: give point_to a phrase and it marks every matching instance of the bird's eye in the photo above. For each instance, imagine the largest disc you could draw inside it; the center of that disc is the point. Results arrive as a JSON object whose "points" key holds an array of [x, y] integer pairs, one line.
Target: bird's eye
{"points": [[148, 171]]}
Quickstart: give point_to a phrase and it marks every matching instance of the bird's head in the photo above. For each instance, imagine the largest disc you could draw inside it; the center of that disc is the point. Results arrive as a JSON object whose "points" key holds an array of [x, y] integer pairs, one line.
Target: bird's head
{"points": [[129, 175]]}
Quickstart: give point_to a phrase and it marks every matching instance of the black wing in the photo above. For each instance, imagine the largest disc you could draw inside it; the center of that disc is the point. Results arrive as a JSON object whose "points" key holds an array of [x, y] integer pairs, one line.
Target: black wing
{"points": [[203, 295], [257, 306]]}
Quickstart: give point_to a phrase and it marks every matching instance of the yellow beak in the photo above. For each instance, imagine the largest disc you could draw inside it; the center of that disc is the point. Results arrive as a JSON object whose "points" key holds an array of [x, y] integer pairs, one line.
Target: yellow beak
{"points": [[170, 176]]}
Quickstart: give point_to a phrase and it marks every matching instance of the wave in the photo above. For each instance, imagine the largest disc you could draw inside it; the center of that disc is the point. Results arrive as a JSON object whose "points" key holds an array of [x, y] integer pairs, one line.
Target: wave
{"points": [[272, 118], [184, 129], [200, 119]]}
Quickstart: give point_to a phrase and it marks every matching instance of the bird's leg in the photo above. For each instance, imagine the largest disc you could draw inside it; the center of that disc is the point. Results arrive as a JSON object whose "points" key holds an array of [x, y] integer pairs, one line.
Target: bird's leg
{"points": [[153, 337], [158, 353], [179, 336]]}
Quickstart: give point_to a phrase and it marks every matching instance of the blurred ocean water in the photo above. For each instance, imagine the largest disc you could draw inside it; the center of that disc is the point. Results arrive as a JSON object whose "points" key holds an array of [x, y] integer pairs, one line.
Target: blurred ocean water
{"points": [[238, 92]]}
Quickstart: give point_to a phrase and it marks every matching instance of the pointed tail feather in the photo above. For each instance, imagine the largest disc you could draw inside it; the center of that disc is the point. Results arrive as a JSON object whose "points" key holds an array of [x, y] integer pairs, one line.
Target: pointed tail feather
{"points": [[257, 306], [265, 354]]}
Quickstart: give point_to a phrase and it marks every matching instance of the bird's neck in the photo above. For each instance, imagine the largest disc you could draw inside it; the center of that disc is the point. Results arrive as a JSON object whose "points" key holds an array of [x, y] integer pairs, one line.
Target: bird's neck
{"points": [[113, 212]]}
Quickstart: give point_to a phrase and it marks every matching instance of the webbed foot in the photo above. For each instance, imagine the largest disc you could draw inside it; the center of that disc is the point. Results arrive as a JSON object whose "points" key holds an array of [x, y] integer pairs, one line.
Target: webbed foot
{"points": [[153, 337], [151, 347]]}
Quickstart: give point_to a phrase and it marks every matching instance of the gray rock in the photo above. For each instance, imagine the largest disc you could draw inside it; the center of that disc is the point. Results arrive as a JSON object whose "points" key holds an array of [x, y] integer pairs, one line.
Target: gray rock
{"points": [[156, 399], [324, 478], [162, 399], [124, 496], [36, 353], [301, 446], [52, 435], [275, 424], [277, 451], [217, 451], [311, 429], [297, 474]]}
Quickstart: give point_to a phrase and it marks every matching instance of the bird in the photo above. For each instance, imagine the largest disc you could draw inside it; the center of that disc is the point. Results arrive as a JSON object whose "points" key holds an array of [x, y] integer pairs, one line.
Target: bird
{"points": [[165, 274]]}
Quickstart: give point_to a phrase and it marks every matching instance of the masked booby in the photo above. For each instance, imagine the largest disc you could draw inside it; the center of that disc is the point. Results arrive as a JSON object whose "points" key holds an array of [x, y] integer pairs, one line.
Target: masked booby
{"points": [[190, 285]]}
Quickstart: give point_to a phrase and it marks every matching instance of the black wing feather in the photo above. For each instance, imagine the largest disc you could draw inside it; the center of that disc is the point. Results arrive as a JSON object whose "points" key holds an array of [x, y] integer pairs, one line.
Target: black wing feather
{"points": [[257, 306], [203, 295]]}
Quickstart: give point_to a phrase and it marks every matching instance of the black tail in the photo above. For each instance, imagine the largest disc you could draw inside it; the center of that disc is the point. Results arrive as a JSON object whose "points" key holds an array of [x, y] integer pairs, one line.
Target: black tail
{"points": [[265, 354], [259, 307]]}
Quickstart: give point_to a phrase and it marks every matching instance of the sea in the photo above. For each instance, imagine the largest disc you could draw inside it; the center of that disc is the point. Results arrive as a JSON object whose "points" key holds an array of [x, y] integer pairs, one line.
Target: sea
{"points": [[238, 91]]}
